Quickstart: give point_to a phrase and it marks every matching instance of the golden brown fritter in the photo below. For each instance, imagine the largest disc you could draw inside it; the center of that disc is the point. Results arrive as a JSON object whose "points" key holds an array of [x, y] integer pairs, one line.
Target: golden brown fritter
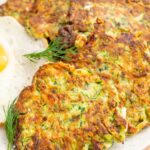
{"points": [[125, 60], [19, 9], [45, 18], [42, 18], [71, 109], [118, 16]]}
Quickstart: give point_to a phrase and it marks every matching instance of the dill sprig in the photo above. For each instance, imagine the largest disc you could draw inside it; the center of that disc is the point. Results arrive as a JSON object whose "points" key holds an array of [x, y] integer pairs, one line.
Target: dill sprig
{"points": [[56, 51], [11, 123]]}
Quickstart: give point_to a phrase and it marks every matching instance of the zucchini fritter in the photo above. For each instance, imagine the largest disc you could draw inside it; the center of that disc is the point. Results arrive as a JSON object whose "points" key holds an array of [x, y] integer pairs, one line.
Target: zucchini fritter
{"points": [[17, 8], [118, 15], [47, 17], [71, 109], [44, 18], [125, 60], [41, 18]]}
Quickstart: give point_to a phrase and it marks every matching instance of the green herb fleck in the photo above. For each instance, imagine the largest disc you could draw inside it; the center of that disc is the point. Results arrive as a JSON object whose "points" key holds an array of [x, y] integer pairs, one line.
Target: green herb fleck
{"points": [[55, 51], [11, 123]]}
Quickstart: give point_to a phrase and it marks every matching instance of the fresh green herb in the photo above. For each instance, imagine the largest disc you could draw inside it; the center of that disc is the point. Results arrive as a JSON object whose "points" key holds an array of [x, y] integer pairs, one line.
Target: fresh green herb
{"points": [[10, 124], [55, 51]]}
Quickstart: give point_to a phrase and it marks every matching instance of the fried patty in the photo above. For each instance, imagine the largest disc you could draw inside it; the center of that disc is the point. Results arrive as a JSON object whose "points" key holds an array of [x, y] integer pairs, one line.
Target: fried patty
{"points": [[44, 19], [125, 60], [47, 17], [17, 8], [118, 15], [68, 108]]}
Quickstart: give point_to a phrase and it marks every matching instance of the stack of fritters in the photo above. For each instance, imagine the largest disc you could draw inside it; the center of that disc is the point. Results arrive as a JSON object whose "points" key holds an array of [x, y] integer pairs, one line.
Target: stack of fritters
{"points": [[103, 93]]}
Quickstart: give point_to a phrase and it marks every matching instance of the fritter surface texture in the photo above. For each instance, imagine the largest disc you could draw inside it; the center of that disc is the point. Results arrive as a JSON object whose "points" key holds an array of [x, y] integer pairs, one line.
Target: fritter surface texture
{"points": [[44, 18], [126, 61], [68, 108]]}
